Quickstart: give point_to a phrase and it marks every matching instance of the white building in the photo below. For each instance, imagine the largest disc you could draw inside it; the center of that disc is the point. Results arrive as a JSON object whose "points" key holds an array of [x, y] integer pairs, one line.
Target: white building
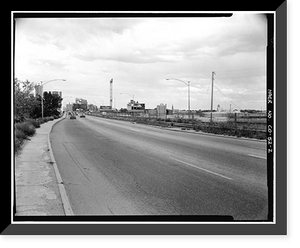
{"points": [[161, 110], [38, 90], [69, 107], [55, 92]]}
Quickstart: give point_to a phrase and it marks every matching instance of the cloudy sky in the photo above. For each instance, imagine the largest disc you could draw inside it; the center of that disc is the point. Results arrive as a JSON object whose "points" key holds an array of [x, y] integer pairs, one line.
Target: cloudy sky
{"points": [[140, 53]]}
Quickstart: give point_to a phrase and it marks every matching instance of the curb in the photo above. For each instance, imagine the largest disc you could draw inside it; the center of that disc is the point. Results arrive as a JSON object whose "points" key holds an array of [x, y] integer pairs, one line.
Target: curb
{"points": [[65, 200]]}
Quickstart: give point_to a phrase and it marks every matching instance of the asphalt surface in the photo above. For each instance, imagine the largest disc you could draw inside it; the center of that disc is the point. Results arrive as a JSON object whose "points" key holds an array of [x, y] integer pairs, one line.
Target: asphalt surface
{"points": [[112, 167]]}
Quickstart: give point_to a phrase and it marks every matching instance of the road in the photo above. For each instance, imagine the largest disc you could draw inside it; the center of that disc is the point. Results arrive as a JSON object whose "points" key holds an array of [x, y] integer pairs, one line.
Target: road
{"points": [[112, 167]]}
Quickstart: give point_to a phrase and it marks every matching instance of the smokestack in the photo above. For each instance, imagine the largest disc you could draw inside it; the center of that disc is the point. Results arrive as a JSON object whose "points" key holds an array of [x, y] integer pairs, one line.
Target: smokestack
{"points": [[111, 94]]}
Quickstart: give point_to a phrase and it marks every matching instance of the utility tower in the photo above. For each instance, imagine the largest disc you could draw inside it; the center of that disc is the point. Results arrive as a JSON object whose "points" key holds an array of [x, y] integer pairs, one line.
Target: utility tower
{"points": [[111, 93]]}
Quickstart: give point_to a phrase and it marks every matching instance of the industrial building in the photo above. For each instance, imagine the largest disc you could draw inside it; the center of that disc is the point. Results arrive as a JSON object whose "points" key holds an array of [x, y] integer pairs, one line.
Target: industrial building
{"points": [[135, 106]]}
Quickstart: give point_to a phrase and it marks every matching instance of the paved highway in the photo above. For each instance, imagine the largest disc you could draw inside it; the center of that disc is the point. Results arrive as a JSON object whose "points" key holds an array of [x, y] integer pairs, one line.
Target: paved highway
{"points": [[111, 167]]}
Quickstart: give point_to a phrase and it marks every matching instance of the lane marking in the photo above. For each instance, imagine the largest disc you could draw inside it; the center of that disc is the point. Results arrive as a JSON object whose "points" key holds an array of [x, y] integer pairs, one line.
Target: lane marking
{"points": [[194, 166], [256, 156], [134, 130]]}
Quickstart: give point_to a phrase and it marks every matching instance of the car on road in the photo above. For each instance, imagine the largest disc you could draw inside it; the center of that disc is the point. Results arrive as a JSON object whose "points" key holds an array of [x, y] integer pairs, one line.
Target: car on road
{"points": [[72, 117], [82, 115]]}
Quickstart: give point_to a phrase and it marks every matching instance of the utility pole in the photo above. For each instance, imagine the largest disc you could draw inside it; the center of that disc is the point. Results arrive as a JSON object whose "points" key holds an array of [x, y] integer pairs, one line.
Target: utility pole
{"points": [[212, 95], [189, 100], [111, 94], [42, 99]]}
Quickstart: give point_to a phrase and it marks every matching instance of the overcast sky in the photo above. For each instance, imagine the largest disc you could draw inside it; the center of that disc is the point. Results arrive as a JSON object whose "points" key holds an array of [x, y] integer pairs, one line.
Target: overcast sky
{"points": [[140, 53]]}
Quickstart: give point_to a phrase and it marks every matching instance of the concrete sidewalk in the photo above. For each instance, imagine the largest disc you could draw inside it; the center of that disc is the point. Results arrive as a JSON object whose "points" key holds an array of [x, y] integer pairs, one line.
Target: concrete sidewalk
{"points": [[37, 187]]}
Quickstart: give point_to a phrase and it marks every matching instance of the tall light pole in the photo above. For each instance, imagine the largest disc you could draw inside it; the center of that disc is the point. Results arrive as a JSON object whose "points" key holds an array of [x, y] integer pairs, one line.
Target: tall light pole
{"points": [[189, 95], [42, 84], [133, 101], [132, 96], [128, 95]]}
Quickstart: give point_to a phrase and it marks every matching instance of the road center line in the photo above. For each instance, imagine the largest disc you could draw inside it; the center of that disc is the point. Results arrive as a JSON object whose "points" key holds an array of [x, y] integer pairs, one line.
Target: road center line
{"points": [[256, 156], [194, 166]]}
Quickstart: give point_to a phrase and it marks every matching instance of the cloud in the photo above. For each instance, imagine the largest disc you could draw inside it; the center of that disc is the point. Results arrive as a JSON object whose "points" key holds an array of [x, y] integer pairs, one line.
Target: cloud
{"points": [[237, 34], [140, 53], [48, 62], [129, 56]]}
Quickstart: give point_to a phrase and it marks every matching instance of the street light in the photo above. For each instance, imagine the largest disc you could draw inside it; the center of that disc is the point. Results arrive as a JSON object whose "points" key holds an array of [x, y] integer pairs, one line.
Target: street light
{"points": [[128, 95], [42, 84], [132, 96], [133, 101], [189, 97]]}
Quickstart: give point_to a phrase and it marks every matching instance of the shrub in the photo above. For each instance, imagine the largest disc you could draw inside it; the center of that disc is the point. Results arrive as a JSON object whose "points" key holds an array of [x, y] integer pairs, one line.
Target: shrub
{"points": [[20, 135], [35, 123], [22, 131], [26, 127], [45, 119], [18, 143], [48, 118]]}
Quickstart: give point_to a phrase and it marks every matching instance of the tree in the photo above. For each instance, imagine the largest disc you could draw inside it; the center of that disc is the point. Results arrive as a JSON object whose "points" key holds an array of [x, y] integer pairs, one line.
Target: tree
{"points": [[36, 111], [123, 110], [52, 102], [28, 106], [23, 99]]}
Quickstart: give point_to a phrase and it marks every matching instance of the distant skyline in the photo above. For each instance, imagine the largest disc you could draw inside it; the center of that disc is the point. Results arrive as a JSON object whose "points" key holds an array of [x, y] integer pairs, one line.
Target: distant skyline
{"points": [[141, 53]]}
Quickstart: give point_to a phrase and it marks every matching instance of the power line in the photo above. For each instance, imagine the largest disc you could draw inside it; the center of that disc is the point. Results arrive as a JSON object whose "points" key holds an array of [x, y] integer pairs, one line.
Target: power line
{"points": [[242, 73], [243, 76], [226, 97], [245, 69]]}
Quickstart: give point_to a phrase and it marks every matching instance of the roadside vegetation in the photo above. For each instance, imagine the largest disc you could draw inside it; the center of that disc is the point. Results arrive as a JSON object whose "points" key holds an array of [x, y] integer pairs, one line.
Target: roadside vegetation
{"points": [[28, 112], [255, 130]]}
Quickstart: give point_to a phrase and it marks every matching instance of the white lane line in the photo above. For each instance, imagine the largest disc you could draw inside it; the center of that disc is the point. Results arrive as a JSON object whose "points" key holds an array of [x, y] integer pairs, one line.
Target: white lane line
{"points": [[256, 156], [134, 130], [194, 166]]}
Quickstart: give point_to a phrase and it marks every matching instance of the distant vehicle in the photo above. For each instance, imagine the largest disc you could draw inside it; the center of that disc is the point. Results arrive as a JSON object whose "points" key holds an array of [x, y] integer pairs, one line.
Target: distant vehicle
{"points": [[72, 117], [82, 115]]}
